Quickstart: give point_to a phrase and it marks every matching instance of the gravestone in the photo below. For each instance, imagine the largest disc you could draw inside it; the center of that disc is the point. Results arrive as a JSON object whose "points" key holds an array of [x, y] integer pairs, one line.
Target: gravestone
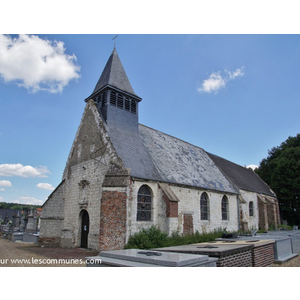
{"points": [[31, 223], [16, 221]]}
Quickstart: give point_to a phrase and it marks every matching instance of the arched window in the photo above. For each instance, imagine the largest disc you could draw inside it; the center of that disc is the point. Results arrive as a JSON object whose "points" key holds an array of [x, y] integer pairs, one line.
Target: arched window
{"points": [[251, 209], [144, 200], [204, 207], [224, 207]]}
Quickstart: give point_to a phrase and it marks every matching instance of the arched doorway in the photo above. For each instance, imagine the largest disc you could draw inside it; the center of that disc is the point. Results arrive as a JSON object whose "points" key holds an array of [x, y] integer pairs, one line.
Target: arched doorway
{"points": [[85, 224]]}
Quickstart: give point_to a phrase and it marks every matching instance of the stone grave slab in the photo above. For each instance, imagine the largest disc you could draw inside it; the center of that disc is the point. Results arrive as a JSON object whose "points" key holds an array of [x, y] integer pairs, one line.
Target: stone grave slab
{"points": [[148, 258], [210, 249]]}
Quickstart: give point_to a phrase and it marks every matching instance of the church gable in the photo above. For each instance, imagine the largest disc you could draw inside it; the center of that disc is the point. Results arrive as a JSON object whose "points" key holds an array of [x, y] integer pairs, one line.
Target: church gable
{"points": [[91, 141]]}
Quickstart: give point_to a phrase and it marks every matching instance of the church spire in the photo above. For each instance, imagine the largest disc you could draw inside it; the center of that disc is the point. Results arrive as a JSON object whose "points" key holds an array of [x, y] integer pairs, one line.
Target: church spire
{"points": [[114, 91], [114, 75]]}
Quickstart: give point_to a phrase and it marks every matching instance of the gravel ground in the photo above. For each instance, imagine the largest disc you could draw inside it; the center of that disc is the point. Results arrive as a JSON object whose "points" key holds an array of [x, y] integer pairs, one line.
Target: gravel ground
{"points": [[295, 262], [19, 254]]}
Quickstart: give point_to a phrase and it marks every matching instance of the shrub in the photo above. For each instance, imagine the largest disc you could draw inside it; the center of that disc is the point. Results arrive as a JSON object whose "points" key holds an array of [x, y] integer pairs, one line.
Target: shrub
{"points": [[148, 238], [285, 227], [153, 237]]}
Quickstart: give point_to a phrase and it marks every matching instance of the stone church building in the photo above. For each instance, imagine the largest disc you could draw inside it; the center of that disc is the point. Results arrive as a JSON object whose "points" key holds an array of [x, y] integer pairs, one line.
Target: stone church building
{"points": [[122, 176]]}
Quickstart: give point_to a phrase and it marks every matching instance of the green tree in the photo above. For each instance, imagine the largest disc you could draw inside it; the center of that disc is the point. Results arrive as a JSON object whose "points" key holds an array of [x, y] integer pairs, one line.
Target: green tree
{"points": [[281, 171]]}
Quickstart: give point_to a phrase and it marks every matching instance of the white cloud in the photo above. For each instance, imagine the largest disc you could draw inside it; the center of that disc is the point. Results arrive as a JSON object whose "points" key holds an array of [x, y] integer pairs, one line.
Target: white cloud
{"points": [[29, 200], [1, 198], [5, 183], [23, 171], [213, 83], [236, 73], [36, 64], [2, 189], [45, 186], [253, 167], [216, 81]]}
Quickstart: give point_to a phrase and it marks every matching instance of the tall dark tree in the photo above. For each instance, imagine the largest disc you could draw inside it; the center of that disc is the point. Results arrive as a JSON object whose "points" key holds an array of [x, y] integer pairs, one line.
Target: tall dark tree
{"points": [[281, 171]]}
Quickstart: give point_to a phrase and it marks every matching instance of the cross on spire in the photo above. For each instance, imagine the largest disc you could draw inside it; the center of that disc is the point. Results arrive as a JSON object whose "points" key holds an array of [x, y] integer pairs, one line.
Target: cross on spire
{"points": [[114, 39]]}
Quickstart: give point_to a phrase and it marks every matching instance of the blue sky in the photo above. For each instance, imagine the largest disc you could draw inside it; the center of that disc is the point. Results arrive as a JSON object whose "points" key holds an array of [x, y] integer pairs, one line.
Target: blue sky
{"points": [[236, 96]]}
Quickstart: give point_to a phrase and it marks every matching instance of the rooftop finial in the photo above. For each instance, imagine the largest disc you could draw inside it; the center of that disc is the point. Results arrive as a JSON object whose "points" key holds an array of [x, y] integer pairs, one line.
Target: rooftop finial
{"points": [[115, 40]]}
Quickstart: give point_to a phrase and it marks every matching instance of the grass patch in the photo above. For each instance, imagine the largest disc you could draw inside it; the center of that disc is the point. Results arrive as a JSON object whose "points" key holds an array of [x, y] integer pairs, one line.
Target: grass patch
{"points": [[153, 237]]}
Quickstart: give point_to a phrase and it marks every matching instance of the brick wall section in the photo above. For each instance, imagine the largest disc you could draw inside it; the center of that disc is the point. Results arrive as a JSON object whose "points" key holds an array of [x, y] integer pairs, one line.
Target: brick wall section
{"points": [[262, 210], [188, 227], [277, 212], [260, 256], [263, 256], [113, 220], [272, 220], [171, 207], [240, 259]]}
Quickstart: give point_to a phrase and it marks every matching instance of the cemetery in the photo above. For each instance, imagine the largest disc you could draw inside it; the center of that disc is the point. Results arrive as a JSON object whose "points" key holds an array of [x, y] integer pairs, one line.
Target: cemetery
{"points": [[256, 250], [21, 226], [232, 250]]}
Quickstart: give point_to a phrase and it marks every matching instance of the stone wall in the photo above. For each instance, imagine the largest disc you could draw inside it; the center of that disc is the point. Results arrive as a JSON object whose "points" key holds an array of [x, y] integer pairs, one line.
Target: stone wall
{"points": [[171, 217], [269, 215], [52, 217], [252, 221], [83, 192], [158, 209], [190, 204], [89, 160]]}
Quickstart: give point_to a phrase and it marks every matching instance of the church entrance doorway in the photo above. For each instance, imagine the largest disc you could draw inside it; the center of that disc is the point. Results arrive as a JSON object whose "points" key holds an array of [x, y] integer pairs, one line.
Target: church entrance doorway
{"points": [[85, 223]]}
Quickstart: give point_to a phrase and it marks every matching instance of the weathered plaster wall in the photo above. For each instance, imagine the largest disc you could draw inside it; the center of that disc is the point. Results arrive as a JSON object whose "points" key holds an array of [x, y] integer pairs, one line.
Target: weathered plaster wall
{"points": [[252, 221], [188, 205]]}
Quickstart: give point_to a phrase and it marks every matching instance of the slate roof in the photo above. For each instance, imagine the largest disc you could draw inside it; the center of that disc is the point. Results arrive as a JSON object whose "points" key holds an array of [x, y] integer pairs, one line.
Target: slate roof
{"points": [[114, 75], [123, 131], [182, 163], [241, 177], [154, 155]]}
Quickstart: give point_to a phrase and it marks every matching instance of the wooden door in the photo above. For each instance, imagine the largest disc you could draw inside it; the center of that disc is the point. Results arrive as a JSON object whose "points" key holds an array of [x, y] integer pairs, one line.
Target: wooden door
{"points": [[85, 223]]}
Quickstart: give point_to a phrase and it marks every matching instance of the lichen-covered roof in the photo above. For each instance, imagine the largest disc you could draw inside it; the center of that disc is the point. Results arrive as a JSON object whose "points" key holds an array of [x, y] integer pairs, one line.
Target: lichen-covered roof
{"points": [[153, 155], [179, 162], [241, 177]]}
